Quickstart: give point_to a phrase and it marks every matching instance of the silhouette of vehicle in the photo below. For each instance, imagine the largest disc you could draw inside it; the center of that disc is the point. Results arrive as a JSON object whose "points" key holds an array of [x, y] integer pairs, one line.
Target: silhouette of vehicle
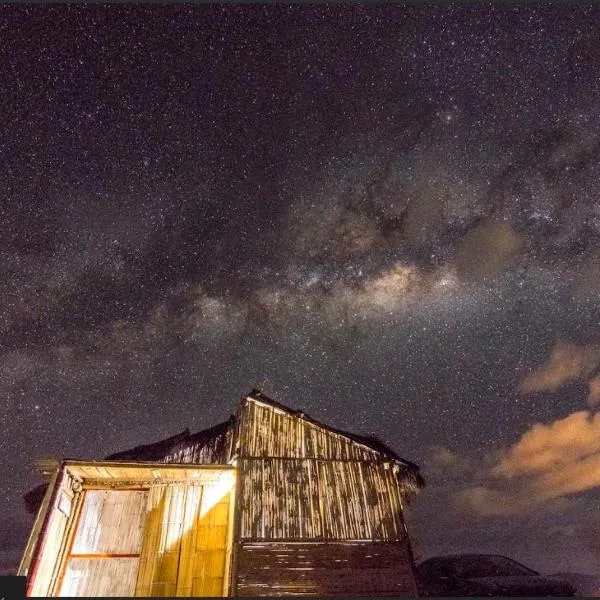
{"points": [[485, 575]]}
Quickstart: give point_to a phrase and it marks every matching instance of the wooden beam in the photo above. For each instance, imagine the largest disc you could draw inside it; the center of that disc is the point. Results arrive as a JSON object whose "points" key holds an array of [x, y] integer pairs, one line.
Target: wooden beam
{"points": [[70, 532], [40, 541], [73, 532], [31, 549], [237, 503], [75, 555]]}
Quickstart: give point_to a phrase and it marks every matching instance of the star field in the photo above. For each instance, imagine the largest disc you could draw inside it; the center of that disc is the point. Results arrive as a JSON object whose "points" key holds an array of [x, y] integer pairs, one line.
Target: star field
{"points": [[387, 216]]}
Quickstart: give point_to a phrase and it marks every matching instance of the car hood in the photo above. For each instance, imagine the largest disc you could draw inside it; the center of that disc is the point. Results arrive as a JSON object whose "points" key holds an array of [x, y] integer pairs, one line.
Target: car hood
{"points": [[518, 586]]}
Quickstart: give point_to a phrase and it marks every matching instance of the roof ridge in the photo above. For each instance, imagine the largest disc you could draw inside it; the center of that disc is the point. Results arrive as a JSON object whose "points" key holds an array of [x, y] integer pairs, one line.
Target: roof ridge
{"points": [[366, 441]]}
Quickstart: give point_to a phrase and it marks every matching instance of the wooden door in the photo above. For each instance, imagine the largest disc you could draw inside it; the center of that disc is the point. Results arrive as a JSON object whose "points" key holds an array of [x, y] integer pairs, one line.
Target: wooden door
{"points": [[104, 555]]}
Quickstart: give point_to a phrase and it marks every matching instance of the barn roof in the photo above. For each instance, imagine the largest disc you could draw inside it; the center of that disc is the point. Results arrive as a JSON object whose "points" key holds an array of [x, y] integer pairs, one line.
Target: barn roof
{"points": [[212, 440], [211, 446], [151, 452], [409, 471]]}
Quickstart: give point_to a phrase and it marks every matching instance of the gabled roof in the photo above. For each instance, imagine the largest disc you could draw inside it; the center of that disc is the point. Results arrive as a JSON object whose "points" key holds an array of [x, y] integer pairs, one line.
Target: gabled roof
{"points": [[212, 443], [370, 442], [151, 452], [211, 446], [408, 469]]}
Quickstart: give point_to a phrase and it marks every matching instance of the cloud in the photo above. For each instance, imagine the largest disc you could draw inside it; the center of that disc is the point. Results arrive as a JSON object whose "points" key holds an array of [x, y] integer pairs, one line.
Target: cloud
{"points": [[491, 502], [546, 447], [567, 362], [444, 461], [593, 398], [549, 462], [487, 251]]}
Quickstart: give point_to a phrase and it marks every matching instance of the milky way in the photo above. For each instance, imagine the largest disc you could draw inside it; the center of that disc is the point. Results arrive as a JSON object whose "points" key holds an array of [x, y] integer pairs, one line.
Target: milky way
{"points": [[386, 216]]}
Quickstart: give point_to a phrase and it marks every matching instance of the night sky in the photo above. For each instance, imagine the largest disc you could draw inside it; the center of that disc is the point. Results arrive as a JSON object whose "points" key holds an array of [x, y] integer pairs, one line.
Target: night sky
{"points": [[387, 216]]}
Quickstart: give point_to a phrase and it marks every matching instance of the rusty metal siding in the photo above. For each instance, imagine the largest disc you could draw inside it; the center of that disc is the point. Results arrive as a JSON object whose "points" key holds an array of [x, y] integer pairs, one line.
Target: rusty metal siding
{"points": [[325, 569]]}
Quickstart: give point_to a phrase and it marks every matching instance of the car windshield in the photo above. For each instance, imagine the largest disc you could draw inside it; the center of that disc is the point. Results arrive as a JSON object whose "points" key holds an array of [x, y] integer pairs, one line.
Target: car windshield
{"points": [[466, 567]]}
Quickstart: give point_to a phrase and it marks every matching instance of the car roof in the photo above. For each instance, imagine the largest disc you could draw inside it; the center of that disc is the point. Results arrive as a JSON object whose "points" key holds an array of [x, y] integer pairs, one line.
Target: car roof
{"points": [[473, 555], [452, 557]]}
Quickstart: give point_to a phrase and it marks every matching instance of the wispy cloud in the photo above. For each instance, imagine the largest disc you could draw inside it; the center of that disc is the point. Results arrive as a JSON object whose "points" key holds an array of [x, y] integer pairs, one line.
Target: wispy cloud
{"points": [[443, 461], [487, 250], [593, 397], [567, 362], [549, 462]]}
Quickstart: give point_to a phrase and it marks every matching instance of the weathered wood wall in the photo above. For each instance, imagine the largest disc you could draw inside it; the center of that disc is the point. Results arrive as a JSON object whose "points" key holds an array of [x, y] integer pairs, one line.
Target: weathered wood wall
{"points": [[321, 514], [269, 431], [332, 569], [149, 531], [89, 578], [43, 572], [319, 499], [300, 481], [111, 522]]}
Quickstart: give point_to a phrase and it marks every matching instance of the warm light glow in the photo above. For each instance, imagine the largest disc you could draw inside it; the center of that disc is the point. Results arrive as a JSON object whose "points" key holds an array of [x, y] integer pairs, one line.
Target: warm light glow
{"points": [[214, 492], [198, 502]]}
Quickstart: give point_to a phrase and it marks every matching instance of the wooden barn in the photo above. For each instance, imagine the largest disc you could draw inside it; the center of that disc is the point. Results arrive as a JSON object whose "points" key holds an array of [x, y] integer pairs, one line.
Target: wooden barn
{"points": [[269, 503]]}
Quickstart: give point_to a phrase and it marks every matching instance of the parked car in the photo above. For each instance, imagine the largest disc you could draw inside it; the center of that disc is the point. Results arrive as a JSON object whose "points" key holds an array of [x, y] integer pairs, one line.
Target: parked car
{"points": [[484, 575]]}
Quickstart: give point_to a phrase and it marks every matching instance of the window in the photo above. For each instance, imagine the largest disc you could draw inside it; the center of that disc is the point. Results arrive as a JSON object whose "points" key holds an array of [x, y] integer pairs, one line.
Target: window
{"points": [[103, 559]]}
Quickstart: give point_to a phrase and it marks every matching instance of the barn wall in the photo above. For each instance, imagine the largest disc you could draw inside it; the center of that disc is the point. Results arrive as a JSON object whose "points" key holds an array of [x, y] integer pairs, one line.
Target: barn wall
{"points": [[44, 570], [185, 551], [320, 514], [301, 481], [131, 529], [319, 499], [332, 569]]}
